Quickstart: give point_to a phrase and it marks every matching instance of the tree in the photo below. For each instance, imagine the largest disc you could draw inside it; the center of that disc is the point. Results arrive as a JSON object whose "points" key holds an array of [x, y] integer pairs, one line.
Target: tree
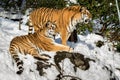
{"points": [[106, 12], [45, 3]]}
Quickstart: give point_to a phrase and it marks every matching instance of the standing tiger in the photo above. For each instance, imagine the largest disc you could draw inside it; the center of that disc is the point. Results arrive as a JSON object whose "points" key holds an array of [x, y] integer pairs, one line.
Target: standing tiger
{"points": [[65, 18], [29, 44]]}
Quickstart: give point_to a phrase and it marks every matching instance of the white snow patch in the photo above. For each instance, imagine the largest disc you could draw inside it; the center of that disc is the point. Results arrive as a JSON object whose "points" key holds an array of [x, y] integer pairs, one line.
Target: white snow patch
{"points": [[106, 65]]}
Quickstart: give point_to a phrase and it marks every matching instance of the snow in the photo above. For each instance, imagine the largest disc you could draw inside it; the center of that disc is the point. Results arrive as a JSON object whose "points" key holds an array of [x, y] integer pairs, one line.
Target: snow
{"points": [[71, 1], [105, 67]]}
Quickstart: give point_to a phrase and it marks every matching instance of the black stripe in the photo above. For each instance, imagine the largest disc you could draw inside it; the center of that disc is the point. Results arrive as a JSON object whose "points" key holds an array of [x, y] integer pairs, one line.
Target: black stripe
{"points": [[20, 68], [16, 59], [19, 63], [31, 29], [14, 56], [19, 72]]}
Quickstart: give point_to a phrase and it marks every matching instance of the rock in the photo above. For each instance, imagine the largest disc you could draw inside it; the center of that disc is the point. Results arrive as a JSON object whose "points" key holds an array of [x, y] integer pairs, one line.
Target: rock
{"points": [[76, 59]]}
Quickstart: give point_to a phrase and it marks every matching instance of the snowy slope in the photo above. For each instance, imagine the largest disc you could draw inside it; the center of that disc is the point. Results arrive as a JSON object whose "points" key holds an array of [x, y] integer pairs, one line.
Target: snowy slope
{"points": [[105, 67]]}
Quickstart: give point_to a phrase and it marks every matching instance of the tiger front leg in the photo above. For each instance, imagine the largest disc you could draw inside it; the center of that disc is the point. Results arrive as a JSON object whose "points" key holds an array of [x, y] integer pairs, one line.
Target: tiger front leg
{"points": [[60, 47], [64, 37]]}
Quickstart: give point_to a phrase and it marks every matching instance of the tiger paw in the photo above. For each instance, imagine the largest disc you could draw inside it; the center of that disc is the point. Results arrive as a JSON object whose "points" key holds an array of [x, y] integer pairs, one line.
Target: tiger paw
{"points": [[71, 50]]}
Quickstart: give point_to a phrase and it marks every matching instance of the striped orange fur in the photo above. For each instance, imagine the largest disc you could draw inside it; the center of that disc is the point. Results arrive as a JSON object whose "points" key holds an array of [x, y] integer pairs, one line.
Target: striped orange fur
{"points": [[29, 44], [65, 18]]}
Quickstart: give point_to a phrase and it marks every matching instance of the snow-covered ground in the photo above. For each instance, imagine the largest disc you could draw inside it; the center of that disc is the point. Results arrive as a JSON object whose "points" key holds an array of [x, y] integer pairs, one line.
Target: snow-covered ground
{"points": [[105, 67]]}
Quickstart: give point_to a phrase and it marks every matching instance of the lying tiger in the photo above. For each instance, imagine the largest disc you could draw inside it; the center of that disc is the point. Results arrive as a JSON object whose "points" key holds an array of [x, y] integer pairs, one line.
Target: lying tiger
{"points": [[66, 19], [29, 44]]}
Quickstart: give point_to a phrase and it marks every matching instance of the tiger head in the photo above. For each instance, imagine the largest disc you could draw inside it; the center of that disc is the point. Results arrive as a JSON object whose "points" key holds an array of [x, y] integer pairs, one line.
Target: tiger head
{"points": [[50, 29], [82, 15], [86, 15]]}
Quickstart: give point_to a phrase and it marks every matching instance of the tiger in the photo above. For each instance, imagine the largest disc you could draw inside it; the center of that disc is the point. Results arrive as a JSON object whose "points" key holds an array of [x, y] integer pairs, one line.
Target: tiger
{"points": [[66, 19], [33, 43]]}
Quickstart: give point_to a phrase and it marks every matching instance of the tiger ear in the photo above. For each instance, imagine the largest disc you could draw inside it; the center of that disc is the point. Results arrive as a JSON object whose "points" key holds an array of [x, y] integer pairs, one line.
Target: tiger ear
{"points": [[82, 9]]}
